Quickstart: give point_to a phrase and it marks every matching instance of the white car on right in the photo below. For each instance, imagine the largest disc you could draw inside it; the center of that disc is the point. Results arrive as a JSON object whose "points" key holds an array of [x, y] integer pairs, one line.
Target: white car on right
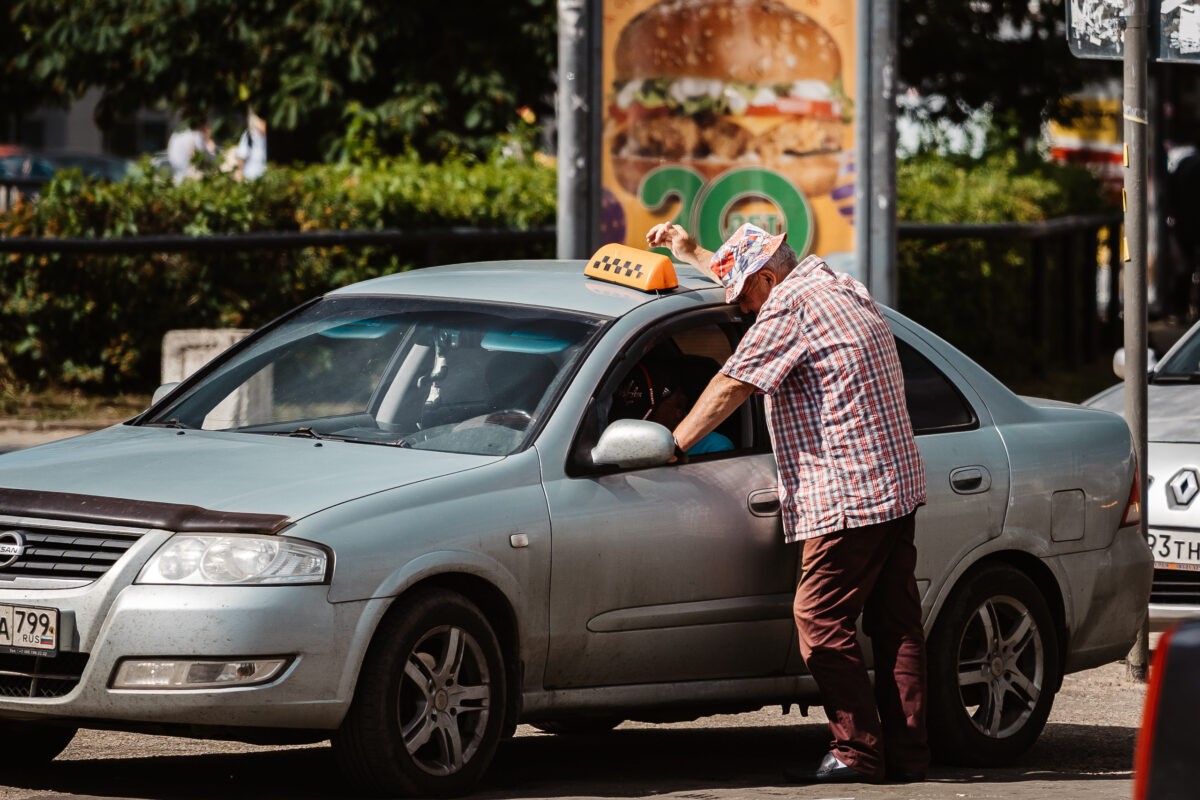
{"points": [[1173, 466]]}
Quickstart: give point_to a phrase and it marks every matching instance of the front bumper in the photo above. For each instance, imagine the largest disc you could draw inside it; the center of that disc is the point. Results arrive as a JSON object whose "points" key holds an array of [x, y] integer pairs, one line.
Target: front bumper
{"points": [[1164, 615], [109, 619]]}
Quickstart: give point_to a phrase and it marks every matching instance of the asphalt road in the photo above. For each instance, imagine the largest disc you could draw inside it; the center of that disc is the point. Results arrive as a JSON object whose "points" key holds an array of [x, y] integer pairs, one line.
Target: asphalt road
{"points": [[1085, 752]]}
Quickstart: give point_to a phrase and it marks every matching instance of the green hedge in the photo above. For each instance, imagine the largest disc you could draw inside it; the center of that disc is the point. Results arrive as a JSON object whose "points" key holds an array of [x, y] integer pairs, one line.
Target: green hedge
{"points": [[97, 321], [977, 294]]}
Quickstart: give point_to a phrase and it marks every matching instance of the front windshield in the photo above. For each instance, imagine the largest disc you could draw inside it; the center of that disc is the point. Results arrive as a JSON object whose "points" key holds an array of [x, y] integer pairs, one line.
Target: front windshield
{"points": [[456, 377], [1184, 363]]}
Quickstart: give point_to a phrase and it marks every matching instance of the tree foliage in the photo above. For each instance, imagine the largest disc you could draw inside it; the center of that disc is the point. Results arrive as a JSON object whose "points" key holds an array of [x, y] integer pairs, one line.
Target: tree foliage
{"points": [[451, 76], [442, 76], [1007, 56]]}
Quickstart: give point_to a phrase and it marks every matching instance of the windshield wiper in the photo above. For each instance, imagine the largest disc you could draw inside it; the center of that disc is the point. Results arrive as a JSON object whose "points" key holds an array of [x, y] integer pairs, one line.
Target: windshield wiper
{"points": [[305, 432], [171, 423]]}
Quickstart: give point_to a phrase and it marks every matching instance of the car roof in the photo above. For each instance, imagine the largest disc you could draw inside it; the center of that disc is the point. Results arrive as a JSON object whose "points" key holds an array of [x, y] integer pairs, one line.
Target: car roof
{"points": [[554, 284]]}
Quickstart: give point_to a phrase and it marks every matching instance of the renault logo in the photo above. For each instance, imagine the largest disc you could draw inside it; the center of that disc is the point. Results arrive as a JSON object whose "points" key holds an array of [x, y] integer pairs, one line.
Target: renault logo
{"points": [[1182, 488], [12, 547]]}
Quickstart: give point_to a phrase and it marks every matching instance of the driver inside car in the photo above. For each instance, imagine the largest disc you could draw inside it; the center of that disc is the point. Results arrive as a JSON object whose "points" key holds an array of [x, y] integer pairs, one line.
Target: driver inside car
{"points": [[658, 390]]}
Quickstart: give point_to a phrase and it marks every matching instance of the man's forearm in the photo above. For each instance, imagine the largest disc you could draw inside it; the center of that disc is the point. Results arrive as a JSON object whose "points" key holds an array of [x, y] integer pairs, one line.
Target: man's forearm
{"points": [[701, 259], [721, 398]]}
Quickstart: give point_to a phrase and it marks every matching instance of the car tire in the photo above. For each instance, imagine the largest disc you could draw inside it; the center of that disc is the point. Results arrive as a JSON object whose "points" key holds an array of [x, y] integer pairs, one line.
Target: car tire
{"points": [[579, 726], [993, 669], [428, 711], [27, 744]]}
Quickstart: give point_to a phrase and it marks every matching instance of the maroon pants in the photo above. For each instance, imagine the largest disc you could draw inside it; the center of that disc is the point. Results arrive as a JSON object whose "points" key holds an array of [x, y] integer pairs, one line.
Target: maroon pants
{"points": [[868, 571]]}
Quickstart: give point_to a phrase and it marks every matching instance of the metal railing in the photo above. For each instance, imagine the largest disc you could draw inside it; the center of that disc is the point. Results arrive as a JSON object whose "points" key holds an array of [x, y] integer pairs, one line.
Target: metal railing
{"points": [[436, 242], [1071, 270], [1070, 310]]}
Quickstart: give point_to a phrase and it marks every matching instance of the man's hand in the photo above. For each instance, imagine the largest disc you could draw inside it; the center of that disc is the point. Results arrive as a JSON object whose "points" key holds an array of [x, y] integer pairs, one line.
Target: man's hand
{"points": [[682, 246], [720, 398]]}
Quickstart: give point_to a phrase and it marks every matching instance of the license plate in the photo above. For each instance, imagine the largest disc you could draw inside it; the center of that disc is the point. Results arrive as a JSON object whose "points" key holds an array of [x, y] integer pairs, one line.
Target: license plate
{"points": [[29, 631], [1175, 550]]}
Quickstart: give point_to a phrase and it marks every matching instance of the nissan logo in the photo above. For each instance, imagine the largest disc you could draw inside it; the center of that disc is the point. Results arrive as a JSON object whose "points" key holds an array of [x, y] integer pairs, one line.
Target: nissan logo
{"points": [[12, 547]]}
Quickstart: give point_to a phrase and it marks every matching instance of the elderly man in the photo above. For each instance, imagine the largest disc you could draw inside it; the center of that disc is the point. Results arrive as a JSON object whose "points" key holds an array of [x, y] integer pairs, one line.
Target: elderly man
{"points": [[851, 478]]}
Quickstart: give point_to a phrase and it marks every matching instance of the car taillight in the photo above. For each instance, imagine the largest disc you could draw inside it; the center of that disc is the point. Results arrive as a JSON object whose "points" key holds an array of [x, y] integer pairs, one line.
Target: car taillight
{"points": [[1145, 740], [1133, 508]]}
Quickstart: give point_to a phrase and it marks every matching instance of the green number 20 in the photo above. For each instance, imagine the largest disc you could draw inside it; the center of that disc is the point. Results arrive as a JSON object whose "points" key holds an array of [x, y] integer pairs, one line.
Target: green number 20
{"points": [[704, 209]]}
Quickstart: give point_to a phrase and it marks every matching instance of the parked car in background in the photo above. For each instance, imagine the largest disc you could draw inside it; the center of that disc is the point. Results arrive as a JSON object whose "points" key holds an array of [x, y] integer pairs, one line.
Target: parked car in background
{"points": [[45, 164], [418, 510], [1173, 466]]}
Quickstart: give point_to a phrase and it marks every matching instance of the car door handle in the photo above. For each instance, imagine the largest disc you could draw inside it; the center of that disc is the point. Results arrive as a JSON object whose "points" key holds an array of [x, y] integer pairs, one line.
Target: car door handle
{"points": [[970, 480], [764, 502]]}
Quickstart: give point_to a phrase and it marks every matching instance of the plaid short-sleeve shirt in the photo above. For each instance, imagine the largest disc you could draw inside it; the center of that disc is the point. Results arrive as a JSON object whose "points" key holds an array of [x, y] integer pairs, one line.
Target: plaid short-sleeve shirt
{"points": [[825, 357]]}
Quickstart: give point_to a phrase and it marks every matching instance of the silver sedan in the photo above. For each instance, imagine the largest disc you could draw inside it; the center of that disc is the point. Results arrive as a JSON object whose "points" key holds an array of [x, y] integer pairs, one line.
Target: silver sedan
{"points": [[421, 509], [1173, 466]]}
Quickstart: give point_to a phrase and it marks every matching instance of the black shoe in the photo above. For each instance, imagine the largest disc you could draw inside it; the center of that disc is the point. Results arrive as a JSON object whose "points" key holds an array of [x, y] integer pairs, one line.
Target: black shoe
{"points": [[830, 770], [904, 776]]}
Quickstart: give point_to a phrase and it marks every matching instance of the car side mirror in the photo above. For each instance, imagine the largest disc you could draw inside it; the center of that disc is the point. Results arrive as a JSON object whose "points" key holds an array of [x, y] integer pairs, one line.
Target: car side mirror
{"points": [[163, 391], [633, 443], [1119, 361]]}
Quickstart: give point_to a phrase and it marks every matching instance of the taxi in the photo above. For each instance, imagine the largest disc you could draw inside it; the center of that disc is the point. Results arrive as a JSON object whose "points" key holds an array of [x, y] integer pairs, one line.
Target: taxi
{"points": [[419, 510]]}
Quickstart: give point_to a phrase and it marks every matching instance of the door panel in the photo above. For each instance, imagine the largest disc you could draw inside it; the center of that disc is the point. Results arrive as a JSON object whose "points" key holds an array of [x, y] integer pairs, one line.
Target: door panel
{"points": [[666, 574]]}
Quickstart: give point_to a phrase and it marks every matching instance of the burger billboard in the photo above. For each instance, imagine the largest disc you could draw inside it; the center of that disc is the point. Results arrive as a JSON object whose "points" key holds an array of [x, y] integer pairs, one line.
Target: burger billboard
{"points": [[719, 112]]}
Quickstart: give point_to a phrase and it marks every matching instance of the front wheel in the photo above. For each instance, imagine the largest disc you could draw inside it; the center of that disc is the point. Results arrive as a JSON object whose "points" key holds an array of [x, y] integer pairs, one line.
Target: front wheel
{"points": [[993, 669], [429, 708]]}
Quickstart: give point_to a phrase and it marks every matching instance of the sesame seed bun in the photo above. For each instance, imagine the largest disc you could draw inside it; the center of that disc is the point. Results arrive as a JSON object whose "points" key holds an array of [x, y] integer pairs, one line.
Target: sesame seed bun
{"points": [[747, 55]]}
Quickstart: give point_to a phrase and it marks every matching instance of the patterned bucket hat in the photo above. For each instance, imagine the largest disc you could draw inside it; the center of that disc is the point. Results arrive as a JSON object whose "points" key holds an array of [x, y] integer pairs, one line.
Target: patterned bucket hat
{"points": [[742, 255]]}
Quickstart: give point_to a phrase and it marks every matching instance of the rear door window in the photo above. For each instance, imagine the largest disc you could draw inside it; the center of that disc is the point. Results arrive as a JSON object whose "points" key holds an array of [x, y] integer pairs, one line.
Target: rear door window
{"points": [[934, 404]]}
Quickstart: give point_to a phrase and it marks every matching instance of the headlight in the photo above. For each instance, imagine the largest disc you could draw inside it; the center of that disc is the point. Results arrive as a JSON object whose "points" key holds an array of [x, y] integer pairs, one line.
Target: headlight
{"points": [[210, 560]]}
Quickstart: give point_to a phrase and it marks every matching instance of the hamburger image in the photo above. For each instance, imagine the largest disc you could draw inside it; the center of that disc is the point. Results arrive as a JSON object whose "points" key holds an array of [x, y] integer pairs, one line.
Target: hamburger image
{"points": [[718, 84]]}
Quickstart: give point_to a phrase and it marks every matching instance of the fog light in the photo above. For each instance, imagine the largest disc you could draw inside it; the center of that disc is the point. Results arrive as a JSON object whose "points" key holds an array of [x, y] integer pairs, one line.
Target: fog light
{"points": [[194, 674]]}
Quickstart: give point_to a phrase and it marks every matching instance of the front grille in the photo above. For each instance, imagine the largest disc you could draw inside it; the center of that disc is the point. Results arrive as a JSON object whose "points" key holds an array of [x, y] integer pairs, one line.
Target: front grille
{"points": [[1175, 587], [36, 676], [68, 554]]}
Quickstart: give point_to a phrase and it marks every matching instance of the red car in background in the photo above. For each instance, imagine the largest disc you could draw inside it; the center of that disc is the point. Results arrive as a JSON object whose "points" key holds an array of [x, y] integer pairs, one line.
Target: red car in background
{"points": [[1166, 766]]}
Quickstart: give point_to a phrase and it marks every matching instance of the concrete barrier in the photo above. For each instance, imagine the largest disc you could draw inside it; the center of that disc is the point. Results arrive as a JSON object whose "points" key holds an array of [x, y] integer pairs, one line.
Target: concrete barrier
{"points": [[187, 350]]}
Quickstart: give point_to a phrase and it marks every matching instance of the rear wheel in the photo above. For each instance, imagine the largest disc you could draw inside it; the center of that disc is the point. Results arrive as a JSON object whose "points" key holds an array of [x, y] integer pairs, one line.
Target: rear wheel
{"points": [[28, 744], [429, 709], [993, 669]]}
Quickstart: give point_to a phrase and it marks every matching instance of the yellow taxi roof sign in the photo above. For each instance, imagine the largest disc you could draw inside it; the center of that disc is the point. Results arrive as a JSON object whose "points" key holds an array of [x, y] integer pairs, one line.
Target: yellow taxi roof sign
{"points": [[629, 266]]}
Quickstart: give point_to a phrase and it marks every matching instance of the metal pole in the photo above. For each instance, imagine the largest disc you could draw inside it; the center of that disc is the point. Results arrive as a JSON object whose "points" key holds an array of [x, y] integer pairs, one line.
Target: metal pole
{"points": [[574, 123], [875, 208], [1136, 117]]}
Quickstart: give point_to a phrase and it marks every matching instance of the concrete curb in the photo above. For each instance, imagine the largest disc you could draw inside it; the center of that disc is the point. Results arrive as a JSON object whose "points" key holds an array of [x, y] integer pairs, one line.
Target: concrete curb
{"points": [[19, 434]]}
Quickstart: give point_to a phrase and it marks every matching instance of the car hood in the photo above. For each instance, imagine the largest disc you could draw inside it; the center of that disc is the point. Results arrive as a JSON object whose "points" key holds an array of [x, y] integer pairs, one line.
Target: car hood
{"points": [[233, 472], [1172, 411]]}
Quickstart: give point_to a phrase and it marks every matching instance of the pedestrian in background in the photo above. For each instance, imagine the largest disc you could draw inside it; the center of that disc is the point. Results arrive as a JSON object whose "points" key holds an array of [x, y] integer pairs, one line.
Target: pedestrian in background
{"points": [[251, 152], [851, 478], [183, 148], [1183, 218]]}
